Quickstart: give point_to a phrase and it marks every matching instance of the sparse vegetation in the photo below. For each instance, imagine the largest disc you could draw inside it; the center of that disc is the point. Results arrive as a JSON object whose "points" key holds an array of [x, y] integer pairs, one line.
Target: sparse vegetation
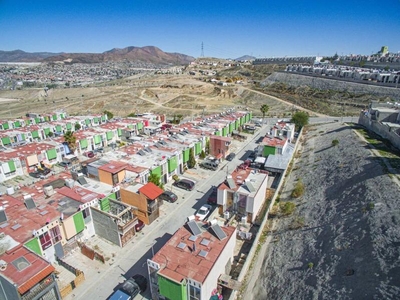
{"points": [[335, 142], [287, 208], [298, 190]]}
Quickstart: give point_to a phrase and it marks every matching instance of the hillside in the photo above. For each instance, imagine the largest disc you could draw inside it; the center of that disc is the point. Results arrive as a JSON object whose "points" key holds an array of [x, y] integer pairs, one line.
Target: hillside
{"points": [[342, 240], [148, 54]]}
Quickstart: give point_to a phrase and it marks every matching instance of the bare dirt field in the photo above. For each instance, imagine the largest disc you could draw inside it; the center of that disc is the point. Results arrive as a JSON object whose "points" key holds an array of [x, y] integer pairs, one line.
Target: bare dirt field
{"points": [[168, 94], [346, 245]]}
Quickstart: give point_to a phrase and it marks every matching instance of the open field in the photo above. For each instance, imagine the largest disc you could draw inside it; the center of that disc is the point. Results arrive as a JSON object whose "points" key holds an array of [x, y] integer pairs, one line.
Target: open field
{"points": [[169, 94]]}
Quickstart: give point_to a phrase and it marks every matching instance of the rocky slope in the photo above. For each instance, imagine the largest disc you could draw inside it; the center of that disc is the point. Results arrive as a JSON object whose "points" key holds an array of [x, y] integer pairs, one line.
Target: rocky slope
{"points": [[348, 247]]}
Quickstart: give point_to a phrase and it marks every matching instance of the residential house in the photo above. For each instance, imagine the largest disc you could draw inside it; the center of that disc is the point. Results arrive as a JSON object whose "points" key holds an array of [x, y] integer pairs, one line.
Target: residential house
{"points": [[25, 275], [219, 146], [191, 263], [144, 198], [243, 193]]}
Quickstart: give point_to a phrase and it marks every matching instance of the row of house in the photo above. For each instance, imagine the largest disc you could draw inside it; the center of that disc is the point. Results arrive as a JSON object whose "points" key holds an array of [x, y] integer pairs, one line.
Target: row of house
{"points": [[346, 72], [196, 261], [107, 196]]}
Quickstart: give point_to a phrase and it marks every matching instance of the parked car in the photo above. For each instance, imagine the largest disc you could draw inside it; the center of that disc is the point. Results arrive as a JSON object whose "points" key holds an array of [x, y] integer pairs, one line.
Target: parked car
{"points": [[168, 196], [230, 156], [89, 154], [209, 165], [185, 184], [212, 199], [139, 226], [203, 212], [130, 288], [65, 164], [40, 173]]}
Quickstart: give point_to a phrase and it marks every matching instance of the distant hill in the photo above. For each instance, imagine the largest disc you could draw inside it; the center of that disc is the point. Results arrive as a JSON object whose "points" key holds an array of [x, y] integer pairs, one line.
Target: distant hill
{"points": [[148, 54], [22, 56], [245, 57]]}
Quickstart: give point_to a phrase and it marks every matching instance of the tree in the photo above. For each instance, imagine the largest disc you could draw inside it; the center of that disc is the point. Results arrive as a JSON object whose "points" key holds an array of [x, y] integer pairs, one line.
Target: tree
{"points": [[109, 114], [264, 109], [154, 178], [300, 119], [192, 160], [335, 143], [70, 139], [77, 126]]}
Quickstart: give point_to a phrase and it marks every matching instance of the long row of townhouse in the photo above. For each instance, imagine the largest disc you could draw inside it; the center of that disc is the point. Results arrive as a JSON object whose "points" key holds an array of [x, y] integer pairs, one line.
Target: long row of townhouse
{"points": [[42, 221]]}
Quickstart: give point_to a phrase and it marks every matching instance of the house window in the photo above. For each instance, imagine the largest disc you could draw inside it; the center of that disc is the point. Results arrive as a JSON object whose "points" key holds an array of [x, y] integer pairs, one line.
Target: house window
{"points": [[194, 293], [55, 234], [45, 240]]}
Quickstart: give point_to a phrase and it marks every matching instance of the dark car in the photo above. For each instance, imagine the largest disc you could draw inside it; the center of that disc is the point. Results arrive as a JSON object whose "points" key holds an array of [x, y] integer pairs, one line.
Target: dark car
{"points": [[89, 154], [139, 226], [168, 196], [212, 199], [40, 173], [130, 288], [185, 184], [230, 156]]}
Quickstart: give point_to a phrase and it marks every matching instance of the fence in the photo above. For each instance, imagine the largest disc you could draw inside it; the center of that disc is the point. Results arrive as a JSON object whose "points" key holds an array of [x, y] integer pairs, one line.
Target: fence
{"points": [[80, 277]]}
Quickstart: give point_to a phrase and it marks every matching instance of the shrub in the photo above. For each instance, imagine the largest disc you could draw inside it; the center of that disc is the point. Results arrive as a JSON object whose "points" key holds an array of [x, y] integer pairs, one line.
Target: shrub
{"points": [[287, 208], [310, 265], [335, 143], [298, 190]]}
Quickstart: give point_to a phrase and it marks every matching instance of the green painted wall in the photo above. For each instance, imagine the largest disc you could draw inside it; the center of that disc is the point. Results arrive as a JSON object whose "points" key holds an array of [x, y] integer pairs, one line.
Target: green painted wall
{"points": [[109, 135], [171, 289], [186, 155], [97, 139], [79, 222], [139, 126], [11, 165], [34, 245], [35, 134], [156, 171], [268, 150], [51, 154], [84, 143], [6, 140], [224, 131], [6, 126], [197, 149], [58, 128], [69, 126], [105, 204], [172, 164]]}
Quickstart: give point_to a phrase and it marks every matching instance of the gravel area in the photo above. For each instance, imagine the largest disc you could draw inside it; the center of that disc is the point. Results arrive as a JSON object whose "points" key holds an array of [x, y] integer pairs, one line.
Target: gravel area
{"points": [[348, 247]]}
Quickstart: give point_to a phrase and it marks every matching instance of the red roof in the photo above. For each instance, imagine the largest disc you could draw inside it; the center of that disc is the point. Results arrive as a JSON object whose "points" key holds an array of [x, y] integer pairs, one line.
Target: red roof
{"points": [[177, 263], [113, 167], [37, 269], [151, 191]]}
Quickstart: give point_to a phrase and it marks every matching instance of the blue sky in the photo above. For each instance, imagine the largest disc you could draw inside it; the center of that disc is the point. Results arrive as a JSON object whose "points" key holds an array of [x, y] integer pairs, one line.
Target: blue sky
{"points": [[227, 29]]}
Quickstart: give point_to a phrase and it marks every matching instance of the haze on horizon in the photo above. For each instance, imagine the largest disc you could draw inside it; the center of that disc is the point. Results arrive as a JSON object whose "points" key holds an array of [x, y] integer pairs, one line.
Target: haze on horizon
{"points": [[226, 29]]}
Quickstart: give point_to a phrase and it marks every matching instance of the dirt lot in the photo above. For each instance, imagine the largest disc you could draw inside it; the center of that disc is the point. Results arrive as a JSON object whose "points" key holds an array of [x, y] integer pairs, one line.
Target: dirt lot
{"points": [[169, 94], [348, 245]]}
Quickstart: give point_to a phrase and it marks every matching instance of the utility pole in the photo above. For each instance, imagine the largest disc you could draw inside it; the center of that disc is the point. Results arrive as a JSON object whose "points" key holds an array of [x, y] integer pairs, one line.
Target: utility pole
{"points": [[202, 49]]}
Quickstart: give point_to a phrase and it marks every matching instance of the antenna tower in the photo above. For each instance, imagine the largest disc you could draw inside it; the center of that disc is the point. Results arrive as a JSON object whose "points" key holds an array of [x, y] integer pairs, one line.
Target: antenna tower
{"points": [[202, 49]]}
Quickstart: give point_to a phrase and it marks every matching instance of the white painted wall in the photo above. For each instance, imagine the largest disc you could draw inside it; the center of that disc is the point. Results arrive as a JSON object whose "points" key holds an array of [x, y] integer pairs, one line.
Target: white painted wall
{"points": [[211, 281]]}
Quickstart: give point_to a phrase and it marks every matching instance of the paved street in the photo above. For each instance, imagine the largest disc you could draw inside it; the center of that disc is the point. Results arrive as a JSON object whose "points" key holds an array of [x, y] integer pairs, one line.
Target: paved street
{"points": [[101, 279]]}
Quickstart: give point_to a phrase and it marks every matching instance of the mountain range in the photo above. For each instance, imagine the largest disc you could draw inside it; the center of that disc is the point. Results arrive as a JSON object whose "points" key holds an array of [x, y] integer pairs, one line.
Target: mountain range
{"points": [[148, 54]]}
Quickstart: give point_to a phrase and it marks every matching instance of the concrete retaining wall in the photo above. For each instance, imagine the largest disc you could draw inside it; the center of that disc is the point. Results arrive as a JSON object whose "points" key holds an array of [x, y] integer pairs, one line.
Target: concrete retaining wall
{"points": [[297, 80], [380, 129]]}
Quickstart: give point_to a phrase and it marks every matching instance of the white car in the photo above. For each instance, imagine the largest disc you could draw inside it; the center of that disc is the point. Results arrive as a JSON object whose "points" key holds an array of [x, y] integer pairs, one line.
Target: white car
{"points": [[203, 212]]}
